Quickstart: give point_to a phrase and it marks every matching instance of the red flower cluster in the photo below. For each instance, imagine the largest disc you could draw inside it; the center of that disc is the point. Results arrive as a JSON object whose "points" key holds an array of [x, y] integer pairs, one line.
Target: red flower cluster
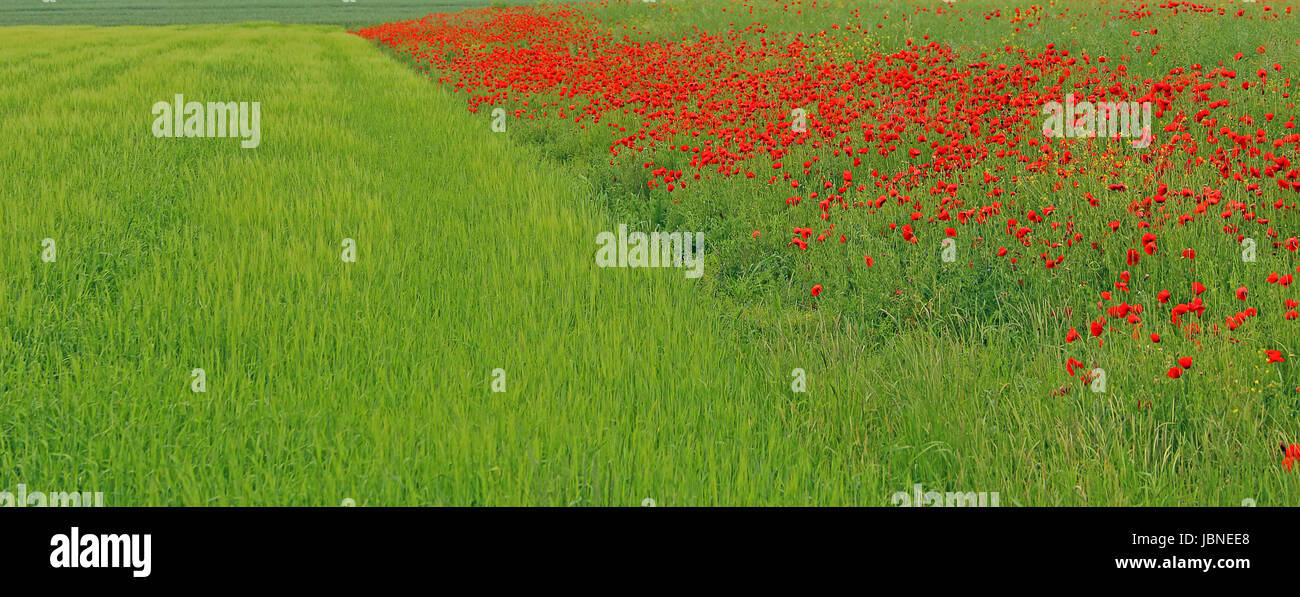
{"points": [[932, 143], [1290, 455]]}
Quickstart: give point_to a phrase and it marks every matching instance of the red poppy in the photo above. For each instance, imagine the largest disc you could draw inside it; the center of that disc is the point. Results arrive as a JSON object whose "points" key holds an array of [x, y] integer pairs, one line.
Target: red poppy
{"points": [[1290, 455]]}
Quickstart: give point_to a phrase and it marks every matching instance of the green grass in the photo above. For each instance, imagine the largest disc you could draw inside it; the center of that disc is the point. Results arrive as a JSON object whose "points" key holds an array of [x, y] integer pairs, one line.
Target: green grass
{"points": [[184, 12], [329, 380], [371, 380]]}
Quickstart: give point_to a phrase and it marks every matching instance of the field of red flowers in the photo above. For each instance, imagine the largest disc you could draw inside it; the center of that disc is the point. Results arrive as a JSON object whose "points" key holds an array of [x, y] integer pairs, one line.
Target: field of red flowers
{"points": [[938, 166]]}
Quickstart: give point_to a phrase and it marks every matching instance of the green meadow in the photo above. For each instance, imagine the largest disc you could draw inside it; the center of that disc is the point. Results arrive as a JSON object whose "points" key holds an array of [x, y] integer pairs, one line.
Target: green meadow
{"points": [[373, 380], [190, 12]]}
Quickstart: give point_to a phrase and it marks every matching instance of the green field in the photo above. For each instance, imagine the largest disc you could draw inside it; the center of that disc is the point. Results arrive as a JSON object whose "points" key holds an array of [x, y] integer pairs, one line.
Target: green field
{"points": [[185, 12], [372, 380]]}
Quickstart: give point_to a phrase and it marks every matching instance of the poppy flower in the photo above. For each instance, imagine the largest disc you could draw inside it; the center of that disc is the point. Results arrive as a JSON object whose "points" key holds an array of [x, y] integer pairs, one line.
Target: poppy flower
{"points": [[1071, 364], [1290, 456]]}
